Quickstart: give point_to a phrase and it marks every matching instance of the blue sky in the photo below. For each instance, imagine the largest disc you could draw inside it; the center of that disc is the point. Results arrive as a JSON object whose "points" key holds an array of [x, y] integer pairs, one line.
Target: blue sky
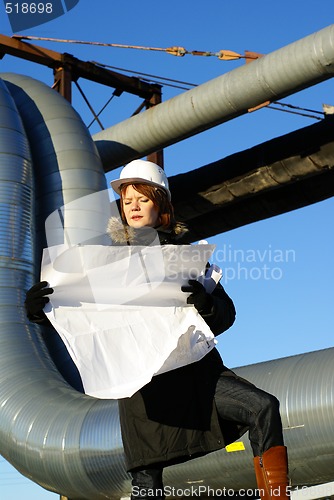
{"points": [[278, 271]]}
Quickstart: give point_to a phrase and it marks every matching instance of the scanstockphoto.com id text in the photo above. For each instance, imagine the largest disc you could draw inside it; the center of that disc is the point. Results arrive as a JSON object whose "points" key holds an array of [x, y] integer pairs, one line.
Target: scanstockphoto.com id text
{"points": [[204, 492]]}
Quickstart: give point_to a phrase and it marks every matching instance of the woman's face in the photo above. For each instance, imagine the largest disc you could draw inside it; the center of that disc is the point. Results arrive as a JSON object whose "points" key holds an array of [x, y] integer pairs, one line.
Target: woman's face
{"points": [[139, 210]]}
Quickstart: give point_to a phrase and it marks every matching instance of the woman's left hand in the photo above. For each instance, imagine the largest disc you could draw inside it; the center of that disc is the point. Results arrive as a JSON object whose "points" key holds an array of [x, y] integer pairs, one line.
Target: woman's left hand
{"points": [[198, 296]]}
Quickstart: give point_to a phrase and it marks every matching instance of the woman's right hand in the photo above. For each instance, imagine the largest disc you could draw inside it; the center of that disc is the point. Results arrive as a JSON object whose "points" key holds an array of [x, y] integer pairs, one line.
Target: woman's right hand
{"points": [[36, 299]]}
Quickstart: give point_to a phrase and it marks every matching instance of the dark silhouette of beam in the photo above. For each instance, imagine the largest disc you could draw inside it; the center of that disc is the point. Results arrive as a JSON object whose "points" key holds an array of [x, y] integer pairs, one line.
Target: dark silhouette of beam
{"points": [[280, 175]]}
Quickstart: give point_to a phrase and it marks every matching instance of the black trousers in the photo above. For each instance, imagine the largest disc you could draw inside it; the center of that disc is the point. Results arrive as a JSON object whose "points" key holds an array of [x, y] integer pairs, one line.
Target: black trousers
{"points": [[236, 401], [243, 403]]}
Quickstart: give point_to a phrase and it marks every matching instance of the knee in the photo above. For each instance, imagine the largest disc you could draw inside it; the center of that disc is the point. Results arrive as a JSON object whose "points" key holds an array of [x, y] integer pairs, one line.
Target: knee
{"points": [[271, 404]]}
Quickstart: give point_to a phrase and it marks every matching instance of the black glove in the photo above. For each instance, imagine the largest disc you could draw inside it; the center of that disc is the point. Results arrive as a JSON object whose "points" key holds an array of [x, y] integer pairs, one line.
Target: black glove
{"points": [[198, 296], [36, 299]]}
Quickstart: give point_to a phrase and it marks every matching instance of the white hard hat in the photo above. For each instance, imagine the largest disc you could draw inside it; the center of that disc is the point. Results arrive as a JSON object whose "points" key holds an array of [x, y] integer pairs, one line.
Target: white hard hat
{"points": [[142, 171]]}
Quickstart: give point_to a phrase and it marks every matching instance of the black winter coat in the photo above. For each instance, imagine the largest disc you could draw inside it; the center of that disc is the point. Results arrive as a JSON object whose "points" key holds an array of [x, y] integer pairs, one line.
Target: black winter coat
{"points": [[173, 418]]}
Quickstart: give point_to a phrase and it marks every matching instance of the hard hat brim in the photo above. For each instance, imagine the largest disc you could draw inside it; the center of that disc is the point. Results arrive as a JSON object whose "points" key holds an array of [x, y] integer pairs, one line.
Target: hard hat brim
{"points": [[117, 183]]}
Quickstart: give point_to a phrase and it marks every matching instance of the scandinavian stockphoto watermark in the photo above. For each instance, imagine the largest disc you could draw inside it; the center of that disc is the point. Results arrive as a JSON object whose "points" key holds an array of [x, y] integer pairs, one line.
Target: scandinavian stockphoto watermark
{"points": [[242, 264], [27, 14], [267, 263]]}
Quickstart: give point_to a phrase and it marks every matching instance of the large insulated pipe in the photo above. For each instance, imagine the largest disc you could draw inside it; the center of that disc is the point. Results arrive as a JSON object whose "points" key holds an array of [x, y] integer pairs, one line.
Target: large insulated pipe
{"points": [[292, 68], [304, 385], [47, 429]]}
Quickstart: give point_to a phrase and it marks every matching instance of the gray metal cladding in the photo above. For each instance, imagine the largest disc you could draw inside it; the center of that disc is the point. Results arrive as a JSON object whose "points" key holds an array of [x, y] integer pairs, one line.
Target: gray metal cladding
{"points": [[304, 385], [46, 428]]}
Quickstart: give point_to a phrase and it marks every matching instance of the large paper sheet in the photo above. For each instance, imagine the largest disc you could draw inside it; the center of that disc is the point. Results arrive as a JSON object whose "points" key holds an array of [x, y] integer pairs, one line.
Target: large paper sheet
{"points": [[121, 313]]}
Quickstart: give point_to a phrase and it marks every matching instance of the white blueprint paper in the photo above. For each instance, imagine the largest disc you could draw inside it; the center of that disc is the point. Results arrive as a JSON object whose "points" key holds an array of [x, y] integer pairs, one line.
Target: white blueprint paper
{"points": [[121, 313]]}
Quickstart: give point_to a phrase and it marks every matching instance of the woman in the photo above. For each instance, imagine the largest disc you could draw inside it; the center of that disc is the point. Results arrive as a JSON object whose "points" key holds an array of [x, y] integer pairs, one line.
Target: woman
{"points": [[200, 407]]}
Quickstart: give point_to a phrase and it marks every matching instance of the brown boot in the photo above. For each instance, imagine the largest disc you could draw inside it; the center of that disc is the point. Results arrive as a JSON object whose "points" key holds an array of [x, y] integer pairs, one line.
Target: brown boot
{"points": [[271, 472]]}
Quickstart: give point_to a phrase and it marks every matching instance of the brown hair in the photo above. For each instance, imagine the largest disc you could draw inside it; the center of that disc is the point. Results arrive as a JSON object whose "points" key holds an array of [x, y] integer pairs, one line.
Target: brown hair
{"points": [[160, 200]]}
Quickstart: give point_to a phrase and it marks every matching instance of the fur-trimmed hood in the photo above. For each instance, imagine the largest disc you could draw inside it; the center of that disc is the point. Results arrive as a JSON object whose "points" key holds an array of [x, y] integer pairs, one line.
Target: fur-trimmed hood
{"points": [[122, 234]]}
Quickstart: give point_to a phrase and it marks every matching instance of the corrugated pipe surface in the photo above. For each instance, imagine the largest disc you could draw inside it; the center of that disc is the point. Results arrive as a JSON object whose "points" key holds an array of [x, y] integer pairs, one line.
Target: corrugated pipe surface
{"points": [[63, 440]]}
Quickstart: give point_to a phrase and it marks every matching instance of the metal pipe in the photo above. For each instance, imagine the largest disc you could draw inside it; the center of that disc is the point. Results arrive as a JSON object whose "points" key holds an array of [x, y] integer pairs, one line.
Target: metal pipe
{"points": [[283, 72], [304, 386], [46, 427]]}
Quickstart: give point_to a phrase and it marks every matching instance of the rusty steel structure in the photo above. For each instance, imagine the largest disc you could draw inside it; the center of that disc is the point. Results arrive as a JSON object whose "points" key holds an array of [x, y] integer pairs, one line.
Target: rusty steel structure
{"points": [[68, 69]]}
